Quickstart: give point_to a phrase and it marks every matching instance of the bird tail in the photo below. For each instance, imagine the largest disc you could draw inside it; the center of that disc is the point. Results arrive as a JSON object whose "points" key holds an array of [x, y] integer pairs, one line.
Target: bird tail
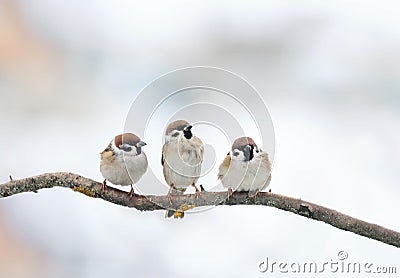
{"points": [[176, 213]]}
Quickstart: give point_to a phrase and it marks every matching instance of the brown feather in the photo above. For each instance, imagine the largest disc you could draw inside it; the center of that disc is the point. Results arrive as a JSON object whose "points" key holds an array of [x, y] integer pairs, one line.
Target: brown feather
{"points": [[241, 142], [126, 138], [176, 125], [162, 156], [223, 168], [107, 154]]}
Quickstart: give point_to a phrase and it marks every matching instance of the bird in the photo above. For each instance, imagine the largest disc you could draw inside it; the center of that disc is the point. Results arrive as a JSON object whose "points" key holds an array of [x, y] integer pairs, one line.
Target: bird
{"points": [[182, 156], [123, 162], [245, 168]]}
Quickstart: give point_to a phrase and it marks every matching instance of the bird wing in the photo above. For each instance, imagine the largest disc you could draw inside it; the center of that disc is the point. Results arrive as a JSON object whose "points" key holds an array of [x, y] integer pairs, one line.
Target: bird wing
{"points": [[162, 154], [198, 142], [268, 164], [223, 168], [107, 153]]}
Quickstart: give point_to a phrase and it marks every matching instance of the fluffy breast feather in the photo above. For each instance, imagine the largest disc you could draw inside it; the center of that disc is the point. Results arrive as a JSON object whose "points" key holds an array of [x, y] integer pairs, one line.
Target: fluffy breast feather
{"points": [[181, 161], [246, 176]]}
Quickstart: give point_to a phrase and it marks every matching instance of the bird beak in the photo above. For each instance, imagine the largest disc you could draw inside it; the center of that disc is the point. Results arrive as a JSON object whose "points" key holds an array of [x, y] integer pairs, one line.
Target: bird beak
{"points": [[140, 144], [188, 127]]}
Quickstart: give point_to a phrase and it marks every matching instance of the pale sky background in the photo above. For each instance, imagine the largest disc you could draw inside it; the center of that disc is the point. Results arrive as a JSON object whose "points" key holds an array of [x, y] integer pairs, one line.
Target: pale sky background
{"points": [[70, 70]]}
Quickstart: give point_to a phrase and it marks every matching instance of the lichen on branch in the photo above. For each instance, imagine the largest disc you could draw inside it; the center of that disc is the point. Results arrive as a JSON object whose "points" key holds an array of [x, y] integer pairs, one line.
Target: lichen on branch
{"points": [[93, 189]]}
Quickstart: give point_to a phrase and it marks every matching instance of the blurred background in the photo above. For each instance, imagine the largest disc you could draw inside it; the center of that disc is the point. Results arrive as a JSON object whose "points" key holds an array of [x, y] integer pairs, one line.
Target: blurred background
{"points": [[69, 70]]}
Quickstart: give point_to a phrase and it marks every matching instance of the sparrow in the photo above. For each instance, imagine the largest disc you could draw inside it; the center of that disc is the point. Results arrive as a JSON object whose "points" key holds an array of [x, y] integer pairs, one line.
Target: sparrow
{"points": [[245, 168], [182, 155], [123, 162]]}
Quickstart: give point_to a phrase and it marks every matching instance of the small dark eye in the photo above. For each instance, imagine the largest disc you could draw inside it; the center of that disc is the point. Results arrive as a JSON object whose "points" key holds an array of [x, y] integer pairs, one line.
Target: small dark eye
{"points": [[175, 134]]}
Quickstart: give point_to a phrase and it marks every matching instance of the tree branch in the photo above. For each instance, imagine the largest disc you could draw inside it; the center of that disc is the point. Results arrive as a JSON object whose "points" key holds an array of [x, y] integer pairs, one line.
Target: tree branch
{"points": [[183, 202]]}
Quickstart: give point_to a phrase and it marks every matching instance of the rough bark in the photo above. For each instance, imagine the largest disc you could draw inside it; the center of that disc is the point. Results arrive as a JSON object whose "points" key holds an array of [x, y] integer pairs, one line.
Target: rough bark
{"points": [[184, 202]]}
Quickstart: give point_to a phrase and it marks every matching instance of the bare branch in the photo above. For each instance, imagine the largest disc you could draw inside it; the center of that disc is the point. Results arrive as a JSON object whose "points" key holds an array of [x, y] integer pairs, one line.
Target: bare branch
{"points": [[149, 203]]}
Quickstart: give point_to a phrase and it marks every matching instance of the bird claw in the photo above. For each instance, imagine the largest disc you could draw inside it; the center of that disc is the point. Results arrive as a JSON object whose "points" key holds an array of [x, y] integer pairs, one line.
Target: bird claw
{"points": [[131, 192], [169, 196], [103, 185], [197, 193], [254, 194], [229, 194]]}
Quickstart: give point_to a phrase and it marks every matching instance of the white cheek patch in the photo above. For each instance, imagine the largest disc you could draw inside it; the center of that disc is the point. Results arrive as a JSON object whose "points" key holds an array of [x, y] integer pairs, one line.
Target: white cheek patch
{"points": [[170, 137], [239, 156], [125, 147], [175, 133], [257, 153]]}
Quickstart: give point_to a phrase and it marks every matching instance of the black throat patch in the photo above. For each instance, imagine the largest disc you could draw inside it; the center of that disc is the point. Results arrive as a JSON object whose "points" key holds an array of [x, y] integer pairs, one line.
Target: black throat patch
{"points": [[248, 153], [188, 134]]}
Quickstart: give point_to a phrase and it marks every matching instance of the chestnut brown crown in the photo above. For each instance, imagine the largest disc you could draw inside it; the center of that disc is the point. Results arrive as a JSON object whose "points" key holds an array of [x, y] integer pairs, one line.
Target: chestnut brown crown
{"points": [[126, 138], [176, 125], [241, 142]]}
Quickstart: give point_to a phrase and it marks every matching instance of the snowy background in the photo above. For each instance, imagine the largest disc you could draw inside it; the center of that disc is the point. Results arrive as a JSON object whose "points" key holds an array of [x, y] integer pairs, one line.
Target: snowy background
{"points": [[69, 71]]}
